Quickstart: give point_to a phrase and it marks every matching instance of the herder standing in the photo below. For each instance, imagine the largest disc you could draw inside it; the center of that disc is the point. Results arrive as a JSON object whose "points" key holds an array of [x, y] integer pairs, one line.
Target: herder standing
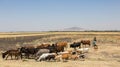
{"points": [[94, 43]]}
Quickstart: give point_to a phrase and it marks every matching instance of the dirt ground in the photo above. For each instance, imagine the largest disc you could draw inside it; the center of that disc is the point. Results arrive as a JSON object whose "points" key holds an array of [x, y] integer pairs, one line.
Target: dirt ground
{"points": [[108, 55]]}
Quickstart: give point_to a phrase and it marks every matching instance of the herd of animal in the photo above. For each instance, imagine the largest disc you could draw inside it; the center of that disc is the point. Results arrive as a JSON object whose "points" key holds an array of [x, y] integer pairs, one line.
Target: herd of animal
{"points": [[49, 52]]}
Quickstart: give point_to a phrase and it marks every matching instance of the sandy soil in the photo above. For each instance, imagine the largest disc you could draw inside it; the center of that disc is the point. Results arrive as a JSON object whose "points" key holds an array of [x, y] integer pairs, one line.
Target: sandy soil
{"points": [[108, 55], [32, 63]]}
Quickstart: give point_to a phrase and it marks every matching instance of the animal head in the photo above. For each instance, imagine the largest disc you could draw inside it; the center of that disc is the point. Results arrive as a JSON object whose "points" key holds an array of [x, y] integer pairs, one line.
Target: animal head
{"points": [[23, 50], [3, 54]]}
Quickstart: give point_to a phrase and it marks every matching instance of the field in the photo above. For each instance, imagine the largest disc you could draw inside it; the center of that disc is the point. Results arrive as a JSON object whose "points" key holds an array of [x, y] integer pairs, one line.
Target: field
{"points": [[107, 55]]}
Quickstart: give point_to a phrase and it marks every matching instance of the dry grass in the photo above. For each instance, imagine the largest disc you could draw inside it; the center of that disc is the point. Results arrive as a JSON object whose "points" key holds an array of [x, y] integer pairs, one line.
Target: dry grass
{"points": [[108, 54], [101, 58], [18, 34]]}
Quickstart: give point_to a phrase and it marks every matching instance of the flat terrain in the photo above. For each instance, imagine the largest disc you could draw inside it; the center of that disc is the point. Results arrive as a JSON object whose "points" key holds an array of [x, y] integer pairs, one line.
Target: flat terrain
{"points": [[108, 54]]}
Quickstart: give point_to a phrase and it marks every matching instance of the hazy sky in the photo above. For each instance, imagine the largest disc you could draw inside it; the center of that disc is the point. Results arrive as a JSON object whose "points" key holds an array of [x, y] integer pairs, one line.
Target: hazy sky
{"points": [[37, 15]]}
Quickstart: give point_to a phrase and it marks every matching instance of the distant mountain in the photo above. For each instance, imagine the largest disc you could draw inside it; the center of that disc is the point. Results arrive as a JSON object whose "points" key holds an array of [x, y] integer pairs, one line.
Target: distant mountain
{"points": [[72, 29]]}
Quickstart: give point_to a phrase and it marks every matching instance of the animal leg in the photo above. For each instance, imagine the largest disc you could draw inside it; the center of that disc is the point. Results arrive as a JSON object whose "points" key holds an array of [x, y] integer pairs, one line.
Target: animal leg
{"points": [[17, 57], [11, 57], [80, 46], [89, 45], [6, 57], [21, 56]]}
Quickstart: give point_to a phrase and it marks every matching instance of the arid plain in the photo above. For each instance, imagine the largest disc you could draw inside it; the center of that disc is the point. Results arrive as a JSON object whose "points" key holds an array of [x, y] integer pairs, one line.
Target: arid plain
{"points": [[107, 55]]}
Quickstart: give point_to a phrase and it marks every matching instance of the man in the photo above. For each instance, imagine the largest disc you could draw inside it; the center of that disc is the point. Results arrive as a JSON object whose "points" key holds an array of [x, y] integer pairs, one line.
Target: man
{"points": [[94, 43]]}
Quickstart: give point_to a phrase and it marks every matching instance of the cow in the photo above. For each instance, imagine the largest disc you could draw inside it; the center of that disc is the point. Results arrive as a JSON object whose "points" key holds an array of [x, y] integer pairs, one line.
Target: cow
{"points": [[40, 52], [63, 56], [50, 57], [31, 50], [75, 44], [59, 48], [11, 53], [62, 45], [58, 58], [86, 42], [43, 46], [74, 57], [52, 48], [66, 56], [28, 50], [46, 56], [83, 50]]}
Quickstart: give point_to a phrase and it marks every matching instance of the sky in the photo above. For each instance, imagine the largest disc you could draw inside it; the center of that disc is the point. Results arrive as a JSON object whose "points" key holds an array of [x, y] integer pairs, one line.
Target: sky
{"points": [[45, 15]]}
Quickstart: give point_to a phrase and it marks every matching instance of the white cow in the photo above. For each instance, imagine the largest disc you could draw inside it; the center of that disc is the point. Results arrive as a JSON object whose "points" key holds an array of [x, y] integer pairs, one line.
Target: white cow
{"points": [[43, 56], [83, 50]]}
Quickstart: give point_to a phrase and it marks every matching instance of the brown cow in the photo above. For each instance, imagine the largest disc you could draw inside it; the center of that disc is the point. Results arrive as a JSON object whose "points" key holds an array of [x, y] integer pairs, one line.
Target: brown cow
{"points": [[43, 46], [46, 45], [66, 56], [85, 42], [63, 57], [11, 53], [62, 45], [74, 57]]}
